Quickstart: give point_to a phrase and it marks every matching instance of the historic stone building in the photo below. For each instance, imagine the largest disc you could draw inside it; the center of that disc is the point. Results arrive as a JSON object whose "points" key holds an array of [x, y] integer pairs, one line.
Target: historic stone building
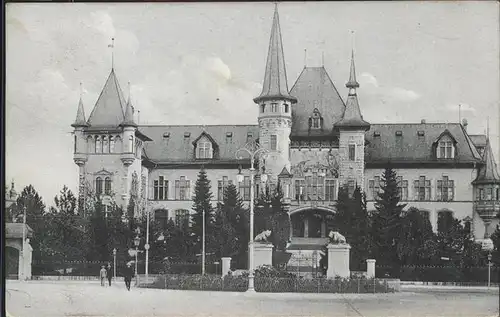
{"points": [[317, 141]]}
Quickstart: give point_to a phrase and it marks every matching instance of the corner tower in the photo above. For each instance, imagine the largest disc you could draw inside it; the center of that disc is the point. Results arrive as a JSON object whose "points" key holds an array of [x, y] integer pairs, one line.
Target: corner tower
{"points": [[275, 111], [352, 130]]}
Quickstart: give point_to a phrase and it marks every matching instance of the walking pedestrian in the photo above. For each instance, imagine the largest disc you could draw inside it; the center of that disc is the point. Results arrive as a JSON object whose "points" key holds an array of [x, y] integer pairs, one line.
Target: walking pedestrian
{"points": [[109, 273], [128, 275], [102, 274]]}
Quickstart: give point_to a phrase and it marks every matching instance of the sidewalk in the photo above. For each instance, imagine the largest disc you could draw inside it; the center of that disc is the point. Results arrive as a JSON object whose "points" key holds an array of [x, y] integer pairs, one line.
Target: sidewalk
{"points": [[413, 287]]}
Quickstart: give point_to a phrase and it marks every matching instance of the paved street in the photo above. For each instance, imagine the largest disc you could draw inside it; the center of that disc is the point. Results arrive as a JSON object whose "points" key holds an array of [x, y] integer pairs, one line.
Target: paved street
{"points": [[54, 299]]}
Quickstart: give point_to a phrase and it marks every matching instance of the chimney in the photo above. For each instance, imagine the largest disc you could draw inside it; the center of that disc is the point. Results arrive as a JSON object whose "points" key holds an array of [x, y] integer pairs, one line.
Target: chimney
{"points": [[465, 124], [422, 121]]}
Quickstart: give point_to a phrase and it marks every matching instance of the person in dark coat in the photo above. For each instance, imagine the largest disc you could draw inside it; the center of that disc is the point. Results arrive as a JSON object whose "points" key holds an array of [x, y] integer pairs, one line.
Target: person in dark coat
{"points": [[128, 274], [109, 273]]}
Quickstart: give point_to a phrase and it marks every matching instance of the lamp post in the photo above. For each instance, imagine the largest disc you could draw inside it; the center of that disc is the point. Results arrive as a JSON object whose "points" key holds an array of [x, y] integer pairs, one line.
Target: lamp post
{"points": [[114, 263], [488, 246], [137, 241], [203, 245], [23, 270], [146, 246], [253, 149]]}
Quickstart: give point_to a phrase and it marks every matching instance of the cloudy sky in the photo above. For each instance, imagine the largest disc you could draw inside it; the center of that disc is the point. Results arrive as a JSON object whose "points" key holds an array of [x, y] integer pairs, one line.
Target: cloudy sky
{"points": [[203, 64]]}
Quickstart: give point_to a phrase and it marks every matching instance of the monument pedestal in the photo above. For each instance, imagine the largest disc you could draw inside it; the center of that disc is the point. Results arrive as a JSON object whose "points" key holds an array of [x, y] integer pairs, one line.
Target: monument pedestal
{"points": [[338, 261], [263, 254], [370, 268], [226, 265]]}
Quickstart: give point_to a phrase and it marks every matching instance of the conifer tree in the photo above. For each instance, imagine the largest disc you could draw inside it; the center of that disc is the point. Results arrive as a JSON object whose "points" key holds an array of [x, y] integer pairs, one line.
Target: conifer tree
{"points": [[202, 205], [226, 219], [387, 219]]}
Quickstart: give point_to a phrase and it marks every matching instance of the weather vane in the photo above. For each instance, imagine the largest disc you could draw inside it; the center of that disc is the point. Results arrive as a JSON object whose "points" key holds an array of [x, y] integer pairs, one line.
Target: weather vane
{"points": [[112, 46]]}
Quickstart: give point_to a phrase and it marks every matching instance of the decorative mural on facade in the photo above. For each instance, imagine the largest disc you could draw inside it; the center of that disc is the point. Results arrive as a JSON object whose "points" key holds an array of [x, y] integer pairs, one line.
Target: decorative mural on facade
{"points": [[304, 162]]}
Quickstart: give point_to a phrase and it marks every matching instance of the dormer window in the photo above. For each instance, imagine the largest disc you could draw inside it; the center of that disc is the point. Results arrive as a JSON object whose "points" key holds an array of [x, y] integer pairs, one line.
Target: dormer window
{"points": [[376, 134], [187, 134], [316, 121], [399, 133], [445, 146], [204, 149], [166, 135], [445, 149]]}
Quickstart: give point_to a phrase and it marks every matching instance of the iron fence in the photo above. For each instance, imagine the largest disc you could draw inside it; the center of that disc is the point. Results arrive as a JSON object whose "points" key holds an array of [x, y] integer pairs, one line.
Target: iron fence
{"points": [[271, 284]]}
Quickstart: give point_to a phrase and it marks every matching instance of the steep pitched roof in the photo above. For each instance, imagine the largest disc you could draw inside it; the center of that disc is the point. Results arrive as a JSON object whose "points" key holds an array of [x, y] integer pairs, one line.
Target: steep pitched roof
{"points": [[275, 82], [108, 110], [352, 117], [479, 140], [488, 173], [315, 89], [174, 144], [80, 116], [384, 144], [128, 120]]}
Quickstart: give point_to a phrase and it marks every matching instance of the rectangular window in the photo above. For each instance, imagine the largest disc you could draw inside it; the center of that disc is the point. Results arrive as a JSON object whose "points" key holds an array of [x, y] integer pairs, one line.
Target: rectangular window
{"points": [[445, 189], [286, 108], [445, 149], [160, 189], [262, 108], [422, 189], [204, 150], [245, 188], [315, 124], [182, 189], [274, 142], [300, 185], [352, 152], [182, 219], [331, 190], [374, 187], [350, 187], [221, 187], [402, 188]]}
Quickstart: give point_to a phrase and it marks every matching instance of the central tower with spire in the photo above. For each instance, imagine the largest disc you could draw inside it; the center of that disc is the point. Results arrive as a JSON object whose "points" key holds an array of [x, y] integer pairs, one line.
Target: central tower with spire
{"points": [[275, 111], [351, 129]]}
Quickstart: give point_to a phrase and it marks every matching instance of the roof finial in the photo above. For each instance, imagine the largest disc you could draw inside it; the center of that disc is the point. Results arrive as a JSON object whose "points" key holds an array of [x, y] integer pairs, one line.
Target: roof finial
{"points": [[112, 46], [81, 90], [488, 128], [129, 94], [305, 57], [459, 113], [323, 59]]}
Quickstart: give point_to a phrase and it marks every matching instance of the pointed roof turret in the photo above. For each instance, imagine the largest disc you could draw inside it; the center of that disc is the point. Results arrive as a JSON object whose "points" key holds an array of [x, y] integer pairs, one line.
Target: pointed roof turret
{"points": [[352, 83], [488, 173], [275, 82], [129, 116], [352, 117], [80, 116], [108, 110]]}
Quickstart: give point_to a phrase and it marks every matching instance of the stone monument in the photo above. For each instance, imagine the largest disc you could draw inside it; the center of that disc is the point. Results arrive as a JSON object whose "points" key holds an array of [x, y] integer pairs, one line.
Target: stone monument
{"points": [[338, 256]]}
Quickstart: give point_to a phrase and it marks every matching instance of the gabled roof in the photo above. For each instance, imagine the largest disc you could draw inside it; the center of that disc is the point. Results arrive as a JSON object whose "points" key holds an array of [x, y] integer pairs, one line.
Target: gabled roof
{"points": [[488, 173], [445, 132], [275, 82], [208, 136], [80, 116], [109, 108], [172, 144], [315, 89], [384, 144]]}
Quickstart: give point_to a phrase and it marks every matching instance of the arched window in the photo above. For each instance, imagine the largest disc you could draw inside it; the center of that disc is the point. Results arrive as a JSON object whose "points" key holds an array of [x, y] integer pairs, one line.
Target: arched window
{"points": [[131, 144], [111, 144], [98, 186], [118, 145], [107, 185], [105, 144], [98, 144], [90, 144]]}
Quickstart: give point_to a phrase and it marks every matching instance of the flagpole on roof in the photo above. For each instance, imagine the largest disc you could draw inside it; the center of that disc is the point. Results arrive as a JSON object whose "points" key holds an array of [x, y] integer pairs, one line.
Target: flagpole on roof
{"points": [[112, 46]]}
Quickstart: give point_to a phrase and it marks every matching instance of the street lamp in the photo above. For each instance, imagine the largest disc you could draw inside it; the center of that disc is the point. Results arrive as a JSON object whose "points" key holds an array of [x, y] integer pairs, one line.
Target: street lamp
{"points": [[137, 241], [146, 246], [253, 149], [114, 263], [488, 246]]}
